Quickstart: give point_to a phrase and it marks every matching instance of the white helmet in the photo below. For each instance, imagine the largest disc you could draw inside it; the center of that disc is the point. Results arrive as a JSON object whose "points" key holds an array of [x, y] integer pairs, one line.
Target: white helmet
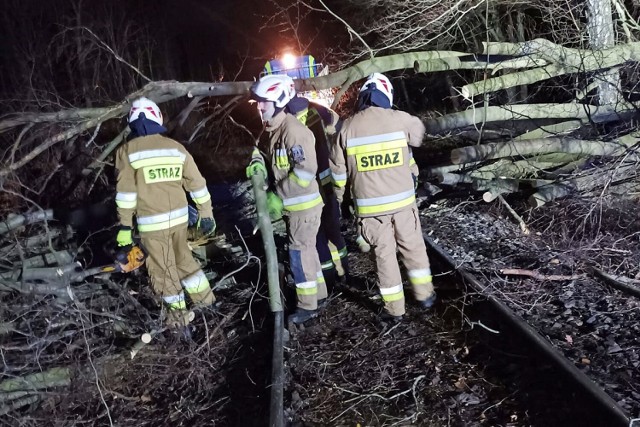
{"points": [[146, 106], [381, 83], [278, 88]]}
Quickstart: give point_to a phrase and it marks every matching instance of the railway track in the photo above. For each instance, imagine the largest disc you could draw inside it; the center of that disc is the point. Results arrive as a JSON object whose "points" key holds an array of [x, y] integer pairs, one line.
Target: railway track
{"points": [[591, 395]]}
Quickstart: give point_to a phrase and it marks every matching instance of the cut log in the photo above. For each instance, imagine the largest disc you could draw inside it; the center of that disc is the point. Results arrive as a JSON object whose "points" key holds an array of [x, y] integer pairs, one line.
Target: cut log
{"points": [[557, 129]]}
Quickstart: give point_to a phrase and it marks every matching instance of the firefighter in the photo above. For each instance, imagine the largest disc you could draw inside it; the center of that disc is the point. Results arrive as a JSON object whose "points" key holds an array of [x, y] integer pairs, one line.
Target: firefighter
{"points": [[293, 165], [372, 154], [152, 173], [330, 244]]}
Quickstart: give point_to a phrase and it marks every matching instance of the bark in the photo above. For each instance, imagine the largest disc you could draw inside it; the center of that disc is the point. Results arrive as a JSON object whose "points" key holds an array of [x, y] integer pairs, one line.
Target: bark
{"points": [[584, 112], [562, 61], [550, 130], [601, 36], [536, 146]]}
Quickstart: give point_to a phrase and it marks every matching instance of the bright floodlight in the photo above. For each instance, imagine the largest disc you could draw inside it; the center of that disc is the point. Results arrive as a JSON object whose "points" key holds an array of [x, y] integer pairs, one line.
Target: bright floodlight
{"points": [[289, 61]]}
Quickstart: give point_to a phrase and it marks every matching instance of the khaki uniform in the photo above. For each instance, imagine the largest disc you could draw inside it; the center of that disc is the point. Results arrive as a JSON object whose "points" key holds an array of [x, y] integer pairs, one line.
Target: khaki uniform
{"points": [[294, 167], [372, 152], [330, 244], [153, 173]]}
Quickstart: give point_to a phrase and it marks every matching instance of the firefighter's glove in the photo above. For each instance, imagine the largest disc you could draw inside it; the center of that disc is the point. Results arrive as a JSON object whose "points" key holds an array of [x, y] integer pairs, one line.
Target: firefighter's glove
{"points": [[256, 165], [124, 237], [207, 226], [274, 206]]}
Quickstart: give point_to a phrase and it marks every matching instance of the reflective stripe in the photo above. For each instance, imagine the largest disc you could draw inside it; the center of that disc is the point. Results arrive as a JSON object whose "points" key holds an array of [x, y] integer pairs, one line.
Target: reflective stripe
{"points": [[412, 161], [420, 277], [303, 178], [325, 176], [164, 220], [195, 283], [307, 288], [339, 179], [256, 152], [327, 265], [381, 146], [393, 293], [126, 200], [167, 156], [301, 203], [336, 255], [200, 196], [175, 302], [282, 159], [320, 278], [367, 140], [385, 203]]}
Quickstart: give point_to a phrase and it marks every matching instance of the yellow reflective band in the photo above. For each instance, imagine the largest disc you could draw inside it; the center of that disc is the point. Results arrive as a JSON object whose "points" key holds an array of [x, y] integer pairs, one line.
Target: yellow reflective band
{"points": [[309, 291], [267, 68], [203, 199], [181, 305], [380, 146], [320, 279], [412, 161], [126, 205], [312, 61], [393, 297], [420, 280], [295, 207], [336, 255], [162, 173], [157, 161], [385, 206], [301, 182], [164, 225]]}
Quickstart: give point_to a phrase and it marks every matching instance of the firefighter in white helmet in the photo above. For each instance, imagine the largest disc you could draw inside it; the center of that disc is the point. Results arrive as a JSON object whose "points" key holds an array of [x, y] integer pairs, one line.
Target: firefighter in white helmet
{"points": [[372, 155], [330, 243], [294, 167], [153, 173]]}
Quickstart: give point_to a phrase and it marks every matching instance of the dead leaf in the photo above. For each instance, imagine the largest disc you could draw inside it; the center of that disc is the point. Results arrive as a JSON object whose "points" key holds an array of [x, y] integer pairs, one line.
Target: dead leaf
{"points": [[568, 339], [585, 361]]}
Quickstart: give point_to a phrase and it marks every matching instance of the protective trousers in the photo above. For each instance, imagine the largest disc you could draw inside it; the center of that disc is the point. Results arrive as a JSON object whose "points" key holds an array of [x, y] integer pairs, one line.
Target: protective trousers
{"points": [[303, 259], [330, 244], [170, 265], [401, 230]]}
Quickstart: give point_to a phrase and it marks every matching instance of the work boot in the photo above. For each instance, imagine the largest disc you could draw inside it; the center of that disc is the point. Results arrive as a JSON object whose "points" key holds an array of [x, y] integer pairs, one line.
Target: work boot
{"points": [[429, 302], [202, 299], [176, 319], [301, 315], [387, 317], [363, 245]]}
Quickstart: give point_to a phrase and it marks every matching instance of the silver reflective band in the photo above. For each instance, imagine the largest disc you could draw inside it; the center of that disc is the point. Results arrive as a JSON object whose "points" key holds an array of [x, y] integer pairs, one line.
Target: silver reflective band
{"points": [[374, 201], [148, 154], [154, 219], [419, 273], [366, 140], [392, 290], [339, 176], [306, 285], [301, 199], [199, 193], [304, 175], [172, 299], [281, 152], [126, 197], [325, 173], [194, 280]]}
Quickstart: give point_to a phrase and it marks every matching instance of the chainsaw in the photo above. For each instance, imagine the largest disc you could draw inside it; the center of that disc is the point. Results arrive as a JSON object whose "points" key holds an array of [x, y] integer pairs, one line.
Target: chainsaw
{"points": [[127, 259]]}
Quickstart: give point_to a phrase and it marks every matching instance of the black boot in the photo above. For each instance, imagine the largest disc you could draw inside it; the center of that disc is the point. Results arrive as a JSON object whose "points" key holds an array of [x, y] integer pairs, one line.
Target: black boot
{"points": [[386, 317], [301, 315]]}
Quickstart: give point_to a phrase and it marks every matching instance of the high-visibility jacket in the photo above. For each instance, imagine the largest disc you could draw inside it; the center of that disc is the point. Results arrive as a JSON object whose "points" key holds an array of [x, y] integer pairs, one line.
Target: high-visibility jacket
{"points": [[293, 163], [322, 122], [153, 173], [372, 152]]}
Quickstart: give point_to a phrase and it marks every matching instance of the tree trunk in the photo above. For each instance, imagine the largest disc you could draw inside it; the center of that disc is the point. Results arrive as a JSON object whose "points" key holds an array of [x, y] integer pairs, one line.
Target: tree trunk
{"points": [[601, 36]]}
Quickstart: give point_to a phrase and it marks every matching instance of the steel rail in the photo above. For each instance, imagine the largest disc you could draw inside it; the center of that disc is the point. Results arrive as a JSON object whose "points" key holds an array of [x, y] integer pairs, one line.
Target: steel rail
{"points": [[618, 415]]}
